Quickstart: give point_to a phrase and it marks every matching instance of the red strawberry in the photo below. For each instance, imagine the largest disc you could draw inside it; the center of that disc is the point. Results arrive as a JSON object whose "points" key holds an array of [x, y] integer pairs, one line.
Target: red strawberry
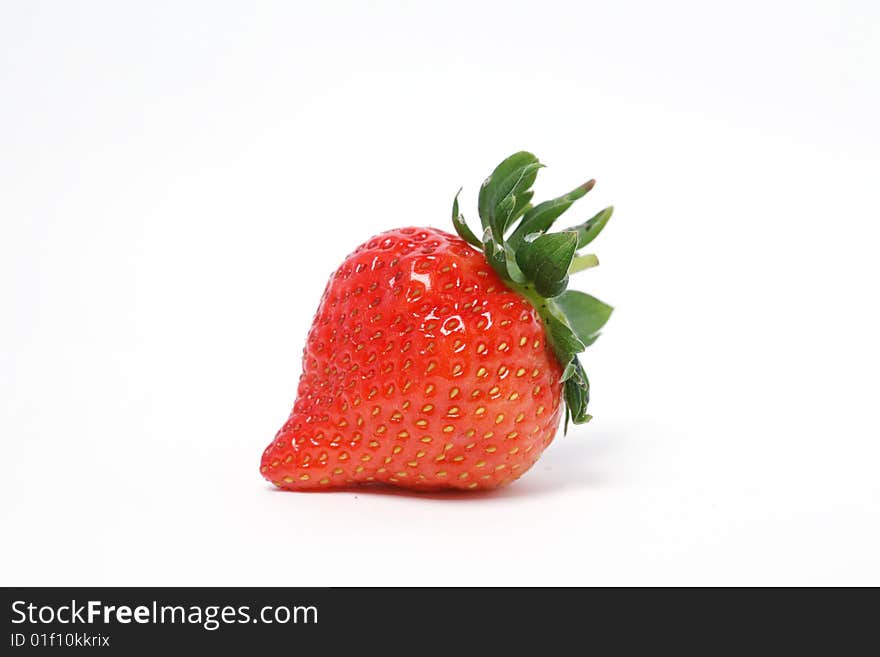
{"points": [[431, 364]]}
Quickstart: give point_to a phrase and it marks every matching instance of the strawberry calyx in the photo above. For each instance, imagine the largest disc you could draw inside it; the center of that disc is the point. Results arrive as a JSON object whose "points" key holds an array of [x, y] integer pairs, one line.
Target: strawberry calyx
{"points": [[537, 263]]}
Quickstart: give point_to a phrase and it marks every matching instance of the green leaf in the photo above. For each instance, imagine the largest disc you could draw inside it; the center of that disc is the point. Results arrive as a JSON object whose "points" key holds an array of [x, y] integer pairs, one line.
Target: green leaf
{"points": [[522, 205], [589, 230], [577, 399], [541, 217], [461, 227], [512, 177], [577, 394], [565, 343], [502, 212], [579, 376], [513, 270], [582, 262], [569, 371], [518, 183], [585, 314], [495, 254], [546, 260]]}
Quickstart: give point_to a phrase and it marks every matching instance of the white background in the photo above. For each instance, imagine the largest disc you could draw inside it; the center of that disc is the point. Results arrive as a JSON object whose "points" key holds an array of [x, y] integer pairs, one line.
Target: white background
{"points": [[177, 181]]}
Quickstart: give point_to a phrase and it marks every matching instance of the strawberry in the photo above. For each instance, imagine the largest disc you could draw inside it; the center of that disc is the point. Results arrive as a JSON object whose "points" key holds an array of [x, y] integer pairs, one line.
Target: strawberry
{"points": [[441, 361]]}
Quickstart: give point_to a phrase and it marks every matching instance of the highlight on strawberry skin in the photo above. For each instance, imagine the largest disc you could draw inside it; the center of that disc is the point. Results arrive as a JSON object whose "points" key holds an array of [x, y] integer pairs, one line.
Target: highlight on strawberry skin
{"points": [[447, 361]]}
